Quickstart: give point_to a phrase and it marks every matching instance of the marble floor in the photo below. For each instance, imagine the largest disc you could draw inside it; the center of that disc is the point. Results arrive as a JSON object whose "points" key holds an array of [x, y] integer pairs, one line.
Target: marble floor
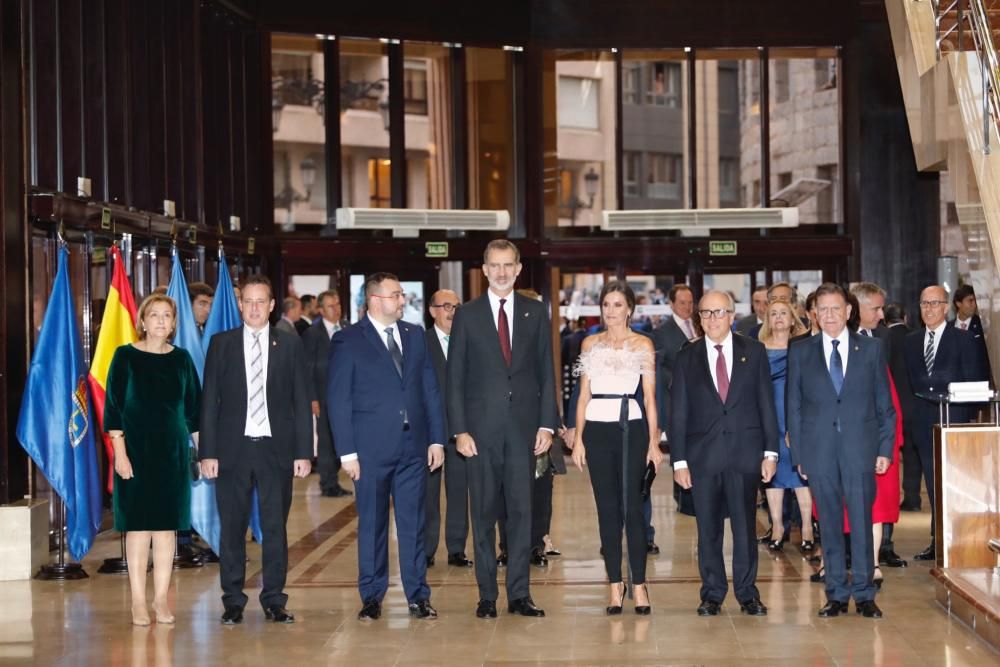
{"points": [[87, 622]]}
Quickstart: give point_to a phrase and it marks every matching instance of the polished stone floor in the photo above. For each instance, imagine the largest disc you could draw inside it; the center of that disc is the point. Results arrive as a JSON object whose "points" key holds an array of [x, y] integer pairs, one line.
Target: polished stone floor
{"points": [[87, 622]]}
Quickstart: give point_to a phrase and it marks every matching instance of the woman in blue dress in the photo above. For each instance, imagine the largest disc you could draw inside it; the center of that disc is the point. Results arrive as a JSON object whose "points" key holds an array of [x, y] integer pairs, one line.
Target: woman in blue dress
{"points": [[780, 325]]}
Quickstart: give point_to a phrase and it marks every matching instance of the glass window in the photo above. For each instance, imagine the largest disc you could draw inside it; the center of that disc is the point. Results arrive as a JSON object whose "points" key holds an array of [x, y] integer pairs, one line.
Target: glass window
{"points": [[631, 76], [655, 127], [577, 102], [664, 84], [630, 163], [299, 108], [364, 123], [489, 102], [664, 176], [427, 88], [729, 182], [805, 135], [826, 73], [578, 111]]}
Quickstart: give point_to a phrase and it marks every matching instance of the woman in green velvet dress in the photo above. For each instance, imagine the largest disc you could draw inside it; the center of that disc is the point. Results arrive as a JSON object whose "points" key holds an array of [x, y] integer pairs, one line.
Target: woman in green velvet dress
{"points": [[150, 411]]}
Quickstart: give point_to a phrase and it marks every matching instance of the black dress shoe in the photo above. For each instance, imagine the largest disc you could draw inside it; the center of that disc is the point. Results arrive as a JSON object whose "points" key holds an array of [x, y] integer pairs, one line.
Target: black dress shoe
{"points": [[832, 608], [909, 507], [278, 614], [651, 548], [336, 491], [868, 609], [232, 616], [459, 560], [538, 558], [209, 556], [926, 554], [525, 607], [423, 609], [370, 611], [430, 561], [502, 559], [486, 609], [709, 608], [753, 607], [890, 558]]}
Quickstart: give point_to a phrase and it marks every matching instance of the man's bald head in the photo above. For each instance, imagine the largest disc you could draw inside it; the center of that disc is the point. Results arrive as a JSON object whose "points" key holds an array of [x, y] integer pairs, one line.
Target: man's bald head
{"points": [[933, 306], [443, 304]]}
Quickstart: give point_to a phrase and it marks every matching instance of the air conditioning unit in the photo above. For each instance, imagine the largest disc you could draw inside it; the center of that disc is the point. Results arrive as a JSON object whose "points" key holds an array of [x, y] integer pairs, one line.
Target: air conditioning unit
{"points": [[411, 221], [699, 221]]}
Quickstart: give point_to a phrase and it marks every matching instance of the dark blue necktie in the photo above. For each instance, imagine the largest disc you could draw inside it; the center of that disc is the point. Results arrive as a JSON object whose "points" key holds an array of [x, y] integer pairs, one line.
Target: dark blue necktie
{"points": [[836, 367]]}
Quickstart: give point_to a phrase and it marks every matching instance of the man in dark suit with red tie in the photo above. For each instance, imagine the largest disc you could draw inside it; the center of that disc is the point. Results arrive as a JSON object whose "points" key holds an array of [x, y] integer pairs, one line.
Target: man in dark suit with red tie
{"points": [[502, 408], [256, 433], [723, 441]]}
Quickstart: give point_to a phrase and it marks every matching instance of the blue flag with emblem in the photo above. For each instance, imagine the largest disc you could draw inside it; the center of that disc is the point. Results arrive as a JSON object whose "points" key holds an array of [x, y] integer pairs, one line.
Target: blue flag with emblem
{"points": [[224, 315], [186, 334], [56, 424]]}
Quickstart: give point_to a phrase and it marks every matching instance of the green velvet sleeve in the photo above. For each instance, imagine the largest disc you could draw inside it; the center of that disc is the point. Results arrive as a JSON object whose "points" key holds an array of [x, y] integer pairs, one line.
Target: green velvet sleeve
{"points": [[114, 391], [192, 394]]}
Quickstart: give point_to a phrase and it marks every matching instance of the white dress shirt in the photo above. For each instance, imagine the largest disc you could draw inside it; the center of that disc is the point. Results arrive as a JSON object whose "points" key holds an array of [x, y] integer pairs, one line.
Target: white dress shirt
{"points": [[331, 327], [962, 324], [684, 324], [443, 338], [508, 308], [713, 357], [938, 331], [380, 330], [253, 429], [843, 348]]}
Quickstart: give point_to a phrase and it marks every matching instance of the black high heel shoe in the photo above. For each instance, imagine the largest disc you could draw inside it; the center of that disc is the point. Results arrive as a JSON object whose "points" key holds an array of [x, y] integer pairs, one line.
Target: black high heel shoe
{"points": [[879, 579], [776, 545], [807, 546], [644, 610], [819, 576], [615, 610]]}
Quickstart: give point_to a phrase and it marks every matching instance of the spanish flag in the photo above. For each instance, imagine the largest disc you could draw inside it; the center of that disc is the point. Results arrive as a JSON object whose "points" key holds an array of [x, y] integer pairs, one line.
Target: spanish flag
{"points": [[117, 328]]}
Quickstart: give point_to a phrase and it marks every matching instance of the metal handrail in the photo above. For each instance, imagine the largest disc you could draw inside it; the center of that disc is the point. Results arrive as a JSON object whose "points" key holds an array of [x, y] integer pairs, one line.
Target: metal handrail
{"points": [[972, 16]]}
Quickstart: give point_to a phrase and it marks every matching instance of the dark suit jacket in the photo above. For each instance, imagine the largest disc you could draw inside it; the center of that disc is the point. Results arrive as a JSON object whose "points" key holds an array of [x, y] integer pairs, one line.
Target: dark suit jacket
{"points": [[863, 410], [668, 339], [483, 393], [367, 400], [317, 347], [713, 436], [746, 324], [893, 338], [975, 330], [440, 363], [956, 360], [224, 398]]}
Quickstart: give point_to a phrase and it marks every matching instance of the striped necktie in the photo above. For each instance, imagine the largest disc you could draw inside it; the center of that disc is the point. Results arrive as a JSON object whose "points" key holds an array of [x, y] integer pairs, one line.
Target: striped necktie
{"points": [[257, 412], [929, 352]]}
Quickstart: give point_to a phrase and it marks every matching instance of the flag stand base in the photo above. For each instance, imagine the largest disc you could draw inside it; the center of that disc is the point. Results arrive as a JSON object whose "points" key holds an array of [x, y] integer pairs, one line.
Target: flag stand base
{"points": [[114, 566], [61, 572]]}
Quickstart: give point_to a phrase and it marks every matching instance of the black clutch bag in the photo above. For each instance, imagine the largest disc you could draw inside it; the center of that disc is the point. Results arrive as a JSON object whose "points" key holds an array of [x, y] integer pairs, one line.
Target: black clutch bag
{"points": [[647, 479], [193, 464]]}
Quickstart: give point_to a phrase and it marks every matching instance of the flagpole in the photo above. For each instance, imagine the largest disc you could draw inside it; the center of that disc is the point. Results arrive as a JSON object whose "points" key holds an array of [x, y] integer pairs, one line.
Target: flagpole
{"points": [[61, 571], [116, 565]]}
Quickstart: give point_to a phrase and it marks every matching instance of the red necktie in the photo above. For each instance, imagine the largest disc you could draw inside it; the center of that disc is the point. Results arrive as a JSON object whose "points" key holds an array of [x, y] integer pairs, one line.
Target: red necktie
{"points": [[965, 326], [503, 329], [721, 375]]}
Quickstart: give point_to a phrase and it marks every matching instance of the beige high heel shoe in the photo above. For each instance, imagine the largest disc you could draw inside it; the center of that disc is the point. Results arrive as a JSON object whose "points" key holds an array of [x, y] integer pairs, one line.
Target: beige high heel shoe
{"points": [[163, 614], [140, 616]]}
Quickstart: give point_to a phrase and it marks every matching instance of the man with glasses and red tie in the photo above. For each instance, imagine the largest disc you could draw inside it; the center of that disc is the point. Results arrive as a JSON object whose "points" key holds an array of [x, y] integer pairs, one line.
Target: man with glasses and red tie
{"points": [[936, 355], [723, 433]]}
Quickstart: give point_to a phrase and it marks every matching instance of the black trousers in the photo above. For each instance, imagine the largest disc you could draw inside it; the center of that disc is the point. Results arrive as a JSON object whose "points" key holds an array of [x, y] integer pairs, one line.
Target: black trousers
{"points": [[912, 468], [456, 494], [713, 496], [260, 467], [327, 460], [619, 508], [501, 476]]}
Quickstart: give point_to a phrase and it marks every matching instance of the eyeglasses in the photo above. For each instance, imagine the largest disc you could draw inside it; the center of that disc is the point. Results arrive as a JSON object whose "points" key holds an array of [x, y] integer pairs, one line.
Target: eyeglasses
{"points": [[932, 304], [394, 295], [714, 314], [448, 307]]}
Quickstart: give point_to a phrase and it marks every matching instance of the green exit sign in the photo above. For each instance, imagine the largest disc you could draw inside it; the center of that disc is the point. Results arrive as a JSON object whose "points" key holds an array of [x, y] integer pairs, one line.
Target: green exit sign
{"points": [[436, 249], [722, 248]]}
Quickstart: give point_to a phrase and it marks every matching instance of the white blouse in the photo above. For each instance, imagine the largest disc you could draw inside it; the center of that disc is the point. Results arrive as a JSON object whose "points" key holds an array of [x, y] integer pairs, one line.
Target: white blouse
{"points": [[613, 371]]}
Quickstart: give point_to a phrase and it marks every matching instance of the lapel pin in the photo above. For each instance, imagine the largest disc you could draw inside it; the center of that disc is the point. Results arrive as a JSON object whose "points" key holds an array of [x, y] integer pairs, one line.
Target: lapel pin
{"points": [[274, 343], [526, 314], [856, 348]]}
